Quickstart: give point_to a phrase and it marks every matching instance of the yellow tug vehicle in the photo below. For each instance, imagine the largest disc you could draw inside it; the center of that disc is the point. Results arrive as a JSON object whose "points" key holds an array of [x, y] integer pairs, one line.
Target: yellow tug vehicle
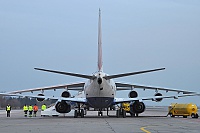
{"points": [[176, 109], [126, 107]]}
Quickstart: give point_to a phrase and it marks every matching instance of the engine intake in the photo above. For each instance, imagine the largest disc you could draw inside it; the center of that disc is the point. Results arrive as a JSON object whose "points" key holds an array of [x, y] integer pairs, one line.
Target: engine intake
{"points": [[158, 99], [66, 94], [40, 99], [63, 107], [137, 107], [133, 94]]}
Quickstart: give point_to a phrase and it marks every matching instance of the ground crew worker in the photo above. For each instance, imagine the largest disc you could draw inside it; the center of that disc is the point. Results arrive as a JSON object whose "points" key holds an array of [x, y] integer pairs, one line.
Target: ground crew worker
{"points": [[25, 108], [8, 109], [30, 109], [35, 109], [44, 107]]}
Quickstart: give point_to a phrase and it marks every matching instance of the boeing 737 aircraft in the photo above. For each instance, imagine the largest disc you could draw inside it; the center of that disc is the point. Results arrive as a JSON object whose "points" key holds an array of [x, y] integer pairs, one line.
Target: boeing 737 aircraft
{"points": [[99, 92]]}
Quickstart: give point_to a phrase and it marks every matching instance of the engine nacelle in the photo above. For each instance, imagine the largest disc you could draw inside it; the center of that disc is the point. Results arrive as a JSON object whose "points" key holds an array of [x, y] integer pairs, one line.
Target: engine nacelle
{"points": [[63, 107], [132, 94], [66, 94], [158, 99], [137, 107], [40, 99]]}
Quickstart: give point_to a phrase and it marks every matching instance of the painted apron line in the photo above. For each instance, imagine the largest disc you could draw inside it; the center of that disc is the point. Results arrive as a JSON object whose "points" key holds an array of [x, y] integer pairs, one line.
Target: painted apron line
{"points": [[143, 129]]}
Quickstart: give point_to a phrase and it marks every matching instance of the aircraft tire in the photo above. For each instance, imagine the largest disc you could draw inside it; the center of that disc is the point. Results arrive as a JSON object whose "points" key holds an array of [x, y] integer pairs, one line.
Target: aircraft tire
{"points": [[193, 116], [132, 114], [196, 116], [82, 113], [171, 115], [118, 113], [123, 113], [136, 114], [101, 113], [75, 114]]}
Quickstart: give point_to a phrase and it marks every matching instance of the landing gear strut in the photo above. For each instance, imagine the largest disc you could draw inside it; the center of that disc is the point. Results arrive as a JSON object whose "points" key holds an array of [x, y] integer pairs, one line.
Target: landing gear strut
{"points": [[79, 112], [100, 113], [121, 112]]}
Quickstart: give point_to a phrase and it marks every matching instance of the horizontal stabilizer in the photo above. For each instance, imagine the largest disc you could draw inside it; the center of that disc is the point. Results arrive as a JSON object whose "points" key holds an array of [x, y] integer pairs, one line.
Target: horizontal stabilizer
{"points": [[67, 73], [131, 73]]}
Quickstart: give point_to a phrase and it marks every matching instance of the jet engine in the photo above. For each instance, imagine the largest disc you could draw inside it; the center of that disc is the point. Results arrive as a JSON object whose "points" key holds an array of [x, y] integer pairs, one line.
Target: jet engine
{"points": [[66, 94], [63, 107], [40, 99], [158, 99], [137, 107], [132, 94]]}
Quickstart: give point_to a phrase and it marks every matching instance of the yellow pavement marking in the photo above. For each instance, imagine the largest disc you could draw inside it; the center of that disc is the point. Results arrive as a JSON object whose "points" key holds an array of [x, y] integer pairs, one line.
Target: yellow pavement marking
{"points": [[143, 129]]}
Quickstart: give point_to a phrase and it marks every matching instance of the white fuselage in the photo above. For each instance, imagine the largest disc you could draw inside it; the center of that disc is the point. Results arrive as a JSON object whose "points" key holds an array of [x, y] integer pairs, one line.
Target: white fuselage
{"points": [[100, 94]]}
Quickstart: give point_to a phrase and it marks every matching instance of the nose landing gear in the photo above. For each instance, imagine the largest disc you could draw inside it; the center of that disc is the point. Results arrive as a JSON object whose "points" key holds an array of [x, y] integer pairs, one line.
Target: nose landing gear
{"points": [[100, 113]]}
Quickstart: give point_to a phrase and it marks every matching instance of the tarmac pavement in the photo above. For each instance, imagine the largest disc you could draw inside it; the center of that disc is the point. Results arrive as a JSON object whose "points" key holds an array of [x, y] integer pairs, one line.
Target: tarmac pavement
{"points": [[151, 121]]}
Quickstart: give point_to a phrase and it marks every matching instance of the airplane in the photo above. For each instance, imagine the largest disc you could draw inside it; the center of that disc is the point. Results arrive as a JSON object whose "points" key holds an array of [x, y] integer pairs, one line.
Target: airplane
{"points": [[99, 92]]}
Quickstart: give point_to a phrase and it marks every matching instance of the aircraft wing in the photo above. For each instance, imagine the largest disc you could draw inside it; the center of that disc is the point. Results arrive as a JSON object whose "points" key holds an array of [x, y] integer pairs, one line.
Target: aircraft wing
{"points": [[78, 100], [124, 86], [153, 98], [73, 86], [116, 100]]}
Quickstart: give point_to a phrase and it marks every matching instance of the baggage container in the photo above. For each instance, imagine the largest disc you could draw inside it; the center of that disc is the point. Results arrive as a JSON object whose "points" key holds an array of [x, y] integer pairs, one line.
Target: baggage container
{"points": [[176, 109]]}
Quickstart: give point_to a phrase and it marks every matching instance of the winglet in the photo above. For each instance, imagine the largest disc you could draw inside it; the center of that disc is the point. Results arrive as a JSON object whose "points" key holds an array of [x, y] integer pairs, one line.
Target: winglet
{"points": [[99, 44]]}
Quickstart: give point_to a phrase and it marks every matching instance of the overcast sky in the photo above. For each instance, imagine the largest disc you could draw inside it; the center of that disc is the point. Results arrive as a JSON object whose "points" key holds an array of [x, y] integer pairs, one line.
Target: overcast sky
{"points": [[137, 35]]}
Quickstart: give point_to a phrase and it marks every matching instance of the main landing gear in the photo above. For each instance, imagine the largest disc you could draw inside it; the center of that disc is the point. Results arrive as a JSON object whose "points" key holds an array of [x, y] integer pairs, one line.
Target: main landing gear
{"points": [[80, 112], [121, 112]]}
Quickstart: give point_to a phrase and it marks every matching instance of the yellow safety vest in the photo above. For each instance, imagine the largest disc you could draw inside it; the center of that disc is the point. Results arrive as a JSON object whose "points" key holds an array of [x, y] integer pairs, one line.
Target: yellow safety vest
{"points": [[25, 108], [8, 108], [30, 108], [43, 107]]}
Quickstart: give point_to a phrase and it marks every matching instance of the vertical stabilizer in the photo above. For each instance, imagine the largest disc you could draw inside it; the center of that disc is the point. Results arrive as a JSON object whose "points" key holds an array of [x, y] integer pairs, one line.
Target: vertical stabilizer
{"points": [[99, 44]]}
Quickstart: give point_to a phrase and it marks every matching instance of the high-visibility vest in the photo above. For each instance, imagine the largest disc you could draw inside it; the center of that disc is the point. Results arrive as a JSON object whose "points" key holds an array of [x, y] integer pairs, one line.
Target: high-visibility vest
{"points": [[30, 108], [25, 108], [8, 108], [43, 107], [35, 108]]}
